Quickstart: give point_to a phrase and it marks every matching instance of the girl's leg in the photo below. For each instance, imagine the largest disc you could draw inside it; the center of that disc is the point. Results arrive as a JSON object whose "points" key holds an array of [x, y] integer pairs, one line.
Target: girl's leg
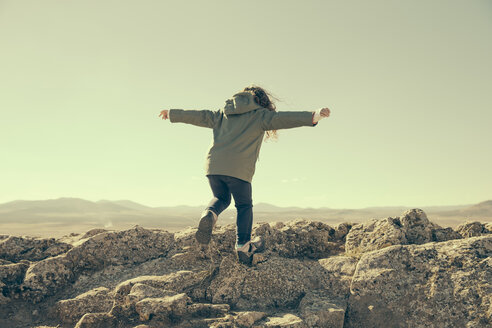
{"points": [[241, 191], [221, 192], [222, 199]]}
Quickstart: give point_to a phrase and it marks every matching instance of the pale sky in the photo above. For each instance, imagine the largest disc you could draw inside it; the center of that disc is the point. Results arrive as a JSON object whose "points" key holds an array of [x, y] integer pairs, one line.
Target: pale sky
{"points": [[409, 84]]}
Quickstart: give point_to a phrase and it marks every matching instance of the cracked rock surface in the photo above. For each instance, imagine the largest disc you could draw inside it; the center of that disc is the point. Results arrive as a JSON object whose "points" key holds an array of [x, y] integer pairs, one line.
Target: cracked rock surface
{"points": [[391, 272]]}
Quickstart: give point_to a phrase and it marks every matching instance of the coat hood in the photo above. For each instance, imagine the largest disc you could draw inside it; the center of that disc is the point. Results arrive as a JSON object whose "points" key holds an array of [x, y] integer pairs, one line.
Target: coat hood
{"points": [[240, 103]]}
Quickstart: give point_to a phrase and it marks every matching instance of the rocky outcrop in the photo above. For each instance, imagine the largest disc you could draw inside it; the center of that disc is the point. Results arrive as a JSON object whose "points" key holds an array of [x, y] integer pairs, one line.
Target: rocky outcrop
{"points": [[15, 249], [11, 277], [473, 229], [132, 246], [399, 272], [301, 238], [413, 227], [95, 300], [444, 284]]}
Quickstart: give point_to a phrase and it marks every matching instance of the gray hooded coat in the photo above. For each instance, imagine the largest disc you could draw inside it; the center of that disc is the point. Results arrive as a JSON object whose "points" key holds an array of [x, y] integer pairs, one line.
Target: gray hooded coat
{"points": [[238, 130]]}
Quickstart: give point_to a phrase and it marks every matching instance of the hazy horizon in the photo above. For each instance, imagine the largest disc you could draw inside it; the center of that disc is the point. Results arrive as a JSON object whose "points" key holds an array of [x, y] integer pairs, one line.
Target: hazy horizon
{"points": [[231, 206], [408, 84], [74, 215]]}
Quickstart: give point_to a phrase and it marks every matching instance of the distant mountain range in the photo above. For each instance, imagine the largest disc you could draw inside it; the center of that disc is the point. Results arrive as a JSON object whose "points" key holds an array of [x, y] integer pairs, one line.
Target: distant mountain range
{"points": [[65, 215]]}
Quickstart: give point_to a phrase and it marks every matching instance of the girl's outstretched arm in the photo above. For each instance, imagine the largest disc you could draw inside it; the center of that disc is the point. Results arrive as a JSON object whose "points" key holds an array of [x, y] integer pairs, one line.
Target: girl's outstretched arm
{"points": [[204, 118], [286, 120]]}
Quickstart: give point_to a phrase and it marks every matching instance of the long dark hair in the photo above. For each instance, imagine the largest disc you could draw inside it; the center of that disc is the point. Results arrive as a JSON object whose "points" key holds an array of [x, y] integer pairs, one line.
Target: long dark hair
{"points": [[262, 98]]}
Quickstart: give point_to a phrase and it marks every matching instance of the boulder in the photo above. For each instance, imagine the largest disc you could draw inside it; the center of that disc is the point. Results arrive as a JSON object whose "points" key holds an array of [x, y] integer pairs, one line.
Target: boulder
{"points": [[130, 246], [206, 310], [318, 310], [276, 283], [374, 234], [46, 277], [130, 292], [287, 320], [414, 285], [93, 232], [16, 248], [472, 229], [126, 247], [11, 277], [166, 308], [97, 320], [96, 300], [248, 318], [398, 272], [140, 291], [444, 234], [301, 238], [413, 227], [339, 271]]}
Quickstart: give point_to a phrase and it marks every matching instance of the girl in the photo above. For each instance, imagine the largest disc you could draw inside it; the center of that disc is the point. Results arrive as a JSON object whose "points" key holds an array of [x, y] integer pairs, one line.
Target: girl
{"points": [[238, 131]]}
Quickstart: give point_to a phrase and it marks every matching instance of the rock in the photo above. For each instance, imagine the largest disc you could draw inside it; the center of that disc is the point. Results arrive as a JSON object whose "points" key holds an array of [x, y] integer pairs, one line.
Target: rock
{"points": [[416, 226], [320, 311], [404, 271], [286, 321], [472, 229], [207, 310], [224, 238], [33, 249], [300, 239], [131, 246], [129, 292], [374, 234], [124, 304], [122, 247], [224, 322], [140, 291], [248, 318], [97, 320], [258, 258], [11, 277], [3, 299], [276, 283], [177, 281], [227, 285], [412, 227], [341, 231], [93, 232], [339, 265], [414, 285], [46, 277], [340, 270], [95, 300], [444, 234], [162, 307]]}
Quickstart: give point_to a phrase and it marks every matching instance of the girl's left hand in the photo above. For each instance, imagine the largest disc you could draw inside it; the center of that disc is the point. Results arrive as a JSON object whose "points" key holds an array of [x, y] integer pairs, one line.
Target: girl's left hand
{"points": [[164, 114], [325, 112]]}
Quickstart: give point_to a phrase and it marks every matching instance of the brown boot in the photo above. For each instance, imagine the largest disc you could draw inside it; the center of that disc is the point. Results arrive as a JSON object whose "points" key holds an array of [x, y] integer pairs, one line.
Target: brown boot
{"points": [[245, 252], [205, 227]]}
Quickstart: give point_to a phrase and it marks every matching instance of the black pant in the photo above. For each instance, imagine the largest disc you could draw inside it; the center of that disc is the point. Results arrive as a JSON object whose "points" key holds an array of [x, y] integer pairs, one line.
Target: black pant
{"points": [[222, 187]]}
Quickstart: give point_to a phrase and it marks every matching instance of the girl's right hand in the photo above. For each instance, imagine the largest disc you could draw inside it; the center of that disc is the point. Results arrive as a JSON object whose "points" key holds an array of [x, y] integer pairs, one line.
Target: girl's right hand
{"points": [[164, 114]]}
